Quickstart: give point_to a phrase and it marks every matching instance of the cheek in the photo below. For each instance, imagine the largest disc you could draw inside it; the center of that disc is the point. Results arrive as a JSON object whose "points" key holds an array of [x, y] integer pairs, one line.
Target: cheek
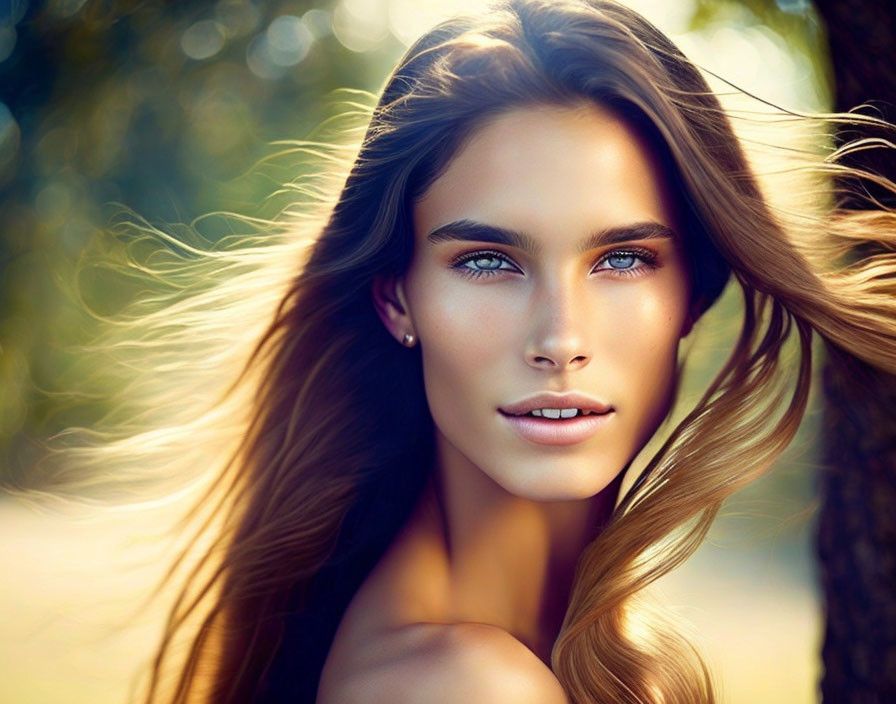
{"points": [[461, 327], [643, 345], [464, 335], [646, 326]]}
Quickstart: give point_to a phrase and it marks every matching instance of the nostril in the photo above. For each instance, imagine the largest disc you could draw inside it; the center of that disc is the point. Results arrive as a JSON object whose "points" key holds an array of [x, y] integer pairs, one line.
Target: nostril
{"points": [[542, 361]]}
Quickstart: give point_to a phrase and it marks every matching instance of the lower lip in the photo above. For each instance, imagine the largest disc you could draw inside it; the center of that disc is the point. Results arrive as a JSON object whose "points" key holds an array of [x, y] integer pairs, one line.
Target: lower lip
{"points": [[568, 431]]}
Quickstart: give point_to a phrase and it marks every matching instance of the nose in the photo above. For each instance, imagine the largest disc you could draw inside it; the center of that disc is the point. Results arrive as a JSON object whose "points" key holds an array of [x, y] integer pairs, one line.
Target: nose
{"points": [[557, 339]]}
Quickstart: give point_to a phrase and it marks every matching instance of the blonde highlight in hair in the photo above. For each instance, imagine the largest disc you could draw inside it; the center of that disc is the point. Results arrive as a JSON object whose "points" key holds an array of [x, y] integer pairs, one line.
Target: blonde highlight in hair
{"points": [[304, 502]]}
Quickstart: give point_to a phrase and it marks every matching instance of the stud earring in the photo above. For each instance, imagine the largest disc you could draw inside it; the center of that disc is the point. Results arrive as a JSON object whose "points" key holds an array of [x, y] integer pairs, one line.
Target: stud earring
{"points": [[408, 340]]}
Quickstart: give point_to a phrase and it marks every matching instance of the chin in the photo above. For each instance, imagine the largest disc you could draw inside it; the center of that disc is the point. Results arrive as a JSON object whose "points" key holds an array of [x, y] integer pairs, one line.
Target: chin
{"points": [[556, 483]]}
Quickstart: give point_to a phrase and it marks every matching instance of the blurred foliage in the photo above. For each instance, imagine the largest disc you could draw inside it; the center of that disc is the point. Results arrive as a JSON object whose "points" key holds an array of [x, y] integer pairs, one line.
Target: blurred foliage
{"points": [[167, 107], [796, 21], [161, 106]]}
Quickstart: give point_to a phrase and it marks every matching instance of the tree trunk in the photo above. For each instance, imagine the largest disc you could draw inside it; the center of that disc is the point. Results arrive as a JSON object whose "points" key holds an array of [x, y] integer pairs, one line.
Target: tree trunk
{"points": [[857, 523]]}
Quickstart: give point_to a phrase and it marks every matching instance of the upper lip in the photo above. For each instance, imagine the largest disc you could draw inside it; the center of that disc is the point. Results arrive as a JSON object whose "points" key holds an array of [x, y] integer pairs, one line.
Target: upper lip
{"points": [[571, 399]]}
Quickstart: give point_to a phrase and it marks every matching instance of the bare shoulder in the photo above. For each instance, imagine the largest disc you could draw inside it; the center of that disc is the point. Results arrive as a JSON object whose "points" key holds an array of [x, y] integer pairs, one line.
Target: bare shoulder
{"points": [[447, 664]]}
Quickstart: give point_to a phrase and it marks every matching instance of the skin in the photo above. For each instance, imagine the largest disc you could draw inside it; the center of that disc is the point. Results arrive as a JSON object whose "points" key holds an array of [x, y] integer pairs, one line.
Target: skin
{"points": [[496, 536]]}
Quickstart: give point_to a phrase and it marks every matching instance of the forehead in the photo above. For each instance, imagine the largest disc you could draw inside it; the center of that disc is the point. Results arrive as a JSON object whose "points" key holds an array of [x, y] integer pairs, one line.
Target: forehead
{"points": [[547, 170]]}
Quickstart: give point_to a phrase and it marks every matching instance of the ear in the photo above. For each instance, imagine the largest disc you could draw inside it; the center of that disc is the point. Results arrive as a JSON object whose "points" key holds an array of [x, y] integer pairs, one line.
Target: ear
{"points": [[391, 305]]}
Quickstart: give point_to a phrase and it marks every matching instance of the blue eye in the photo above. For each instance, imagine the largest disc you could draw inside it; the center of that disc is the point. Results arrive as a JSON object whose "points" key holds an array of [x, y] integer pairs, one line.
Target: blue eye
{"points": [[483, 263], [621, 261], [486, 263], [628, 262]]}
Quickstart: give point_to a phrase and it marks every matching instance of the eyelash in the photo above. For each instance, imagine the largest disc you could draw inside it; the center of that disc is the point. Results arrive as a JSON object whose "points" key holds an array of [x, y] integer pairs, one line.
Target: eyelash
{"points": [[647, 257]]}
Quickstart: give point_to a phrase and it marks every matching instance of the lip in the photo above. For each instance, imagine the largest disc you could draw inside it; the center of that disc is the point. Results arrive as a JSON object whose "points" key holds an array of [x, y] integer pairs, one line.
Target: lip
{"points": [[544, 431], [570, 399]]}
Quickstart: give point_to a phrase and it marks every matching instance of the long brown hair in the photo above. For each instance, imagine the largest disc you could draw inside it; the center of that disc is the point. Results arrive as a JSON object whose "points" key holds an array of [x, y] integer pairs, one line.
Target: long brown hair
{"points": [[335, 438]]}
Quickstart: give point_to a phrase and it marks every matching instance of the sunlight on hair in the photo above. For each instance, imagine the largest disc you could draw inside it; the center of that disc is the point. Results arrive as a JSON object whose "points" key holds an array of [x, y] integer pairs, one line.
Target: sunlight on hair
{"points": [[636, 622], [190, 312], [409, 19]]}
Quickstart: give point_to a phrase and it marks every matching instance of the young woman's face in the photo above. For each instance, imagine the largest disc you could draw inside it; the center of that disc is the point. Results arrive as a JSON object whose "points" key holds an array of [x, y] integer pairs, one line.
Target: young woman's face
{"points": [[548, 275]]}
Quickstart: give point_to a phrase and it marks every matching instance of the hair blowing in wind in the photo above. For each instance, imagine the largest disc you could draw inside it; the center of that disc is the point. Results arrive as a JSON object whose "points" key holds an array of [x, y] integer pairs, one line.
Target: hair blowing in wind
{"points": [[320, 437]]}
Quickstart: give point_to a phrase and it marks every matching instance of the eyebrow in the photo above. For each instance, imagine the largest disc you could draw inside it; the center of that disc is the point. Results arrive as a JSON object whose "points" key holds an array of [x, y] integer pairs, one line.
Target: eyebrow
{"points": [[472, 231]]}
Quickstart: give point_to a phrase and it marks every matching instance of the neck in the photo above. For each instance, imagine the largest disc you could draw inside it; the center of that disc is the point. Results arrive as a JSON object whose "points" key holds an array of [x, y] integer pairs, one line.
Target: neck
{"points": [[509, 561]]}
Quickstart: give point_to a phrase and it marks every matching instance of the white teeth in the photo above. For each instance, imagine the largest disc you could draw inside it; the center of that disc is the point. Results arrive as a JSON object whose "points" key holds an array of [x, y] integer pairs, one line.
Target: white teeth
{"points": [[557, 413]]}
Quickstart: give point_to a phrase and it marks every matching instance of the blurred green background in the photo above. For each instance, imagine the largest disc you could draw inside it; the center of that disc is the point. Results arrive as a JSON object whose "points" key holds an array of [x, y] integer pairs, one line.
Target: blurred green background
{"points": [[171, 109]]}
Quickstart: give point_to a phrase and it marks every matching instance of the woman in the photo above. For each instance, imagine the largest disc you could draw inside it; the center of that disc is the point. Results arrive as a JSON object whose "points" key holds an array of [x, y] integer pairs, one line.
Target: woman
{"points": [[424, 504]]}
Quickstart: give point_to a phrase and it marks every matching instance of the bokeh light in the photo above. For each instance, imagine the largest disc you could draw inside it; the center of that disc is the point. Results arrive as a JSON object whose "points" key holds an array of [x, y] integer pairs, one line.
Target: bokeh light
{"points": [[203, 39], [361, 25]]}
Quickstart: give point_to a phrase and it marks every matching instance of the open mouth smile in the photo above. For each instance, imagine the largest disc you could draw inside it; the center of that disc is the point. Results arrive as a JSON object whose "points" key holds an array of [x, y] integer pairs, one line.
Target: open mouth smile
{"points": [[556, 413], [557, 426]]}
